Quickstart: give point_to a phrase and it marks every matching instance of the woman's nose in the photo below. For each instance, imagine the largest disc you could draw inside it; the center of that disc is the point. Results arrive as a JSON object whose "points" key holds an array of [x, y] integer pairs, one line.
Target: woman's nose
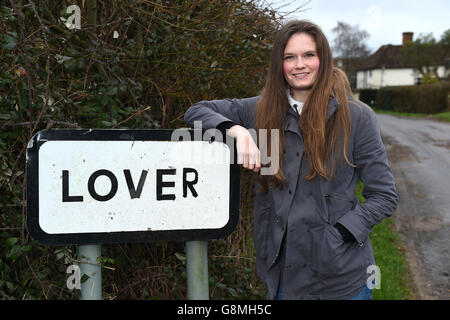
{"points": [[299, 64]]}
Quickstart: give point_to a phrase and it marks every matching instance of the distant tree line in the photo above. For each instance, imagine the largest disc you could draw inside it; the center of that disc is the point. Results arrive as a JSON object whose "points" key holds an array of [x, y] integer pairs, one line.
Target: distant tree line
{"points": [[426, 53]]}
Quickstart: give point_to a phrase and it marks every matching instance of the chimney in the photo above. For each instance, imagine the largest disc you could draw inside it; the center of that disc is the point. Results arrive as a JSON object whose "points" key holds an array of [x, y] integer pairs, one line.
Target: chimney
{"points": [[407, 36]]}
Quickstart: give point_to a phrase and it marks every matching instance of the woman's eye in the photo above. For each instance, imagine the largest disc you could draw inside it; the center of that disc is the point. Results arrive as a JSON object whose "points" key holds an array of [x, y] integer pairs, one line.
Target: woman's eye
{"points": [[288, 57], [309, 55]]}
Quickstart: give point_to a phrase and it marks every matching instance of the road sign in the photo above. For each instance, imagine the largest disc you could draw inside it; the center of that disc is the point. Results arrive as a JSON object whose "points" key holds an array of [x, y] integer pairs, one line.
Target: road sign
{"points": [[114, 186]]}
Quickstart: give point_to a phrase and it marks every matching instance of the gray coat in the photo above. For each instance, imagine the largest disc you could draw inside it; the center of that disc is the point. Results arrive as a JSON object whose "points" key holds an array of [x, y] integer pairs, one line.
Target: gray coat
{"points": [[295, 240]]}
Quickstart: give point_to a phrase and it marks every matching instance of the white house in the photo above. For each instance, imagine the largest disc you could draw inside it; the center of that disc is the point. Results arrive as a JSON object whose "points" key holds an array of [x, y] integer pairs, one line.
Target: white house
{"points": [[386, 68]]}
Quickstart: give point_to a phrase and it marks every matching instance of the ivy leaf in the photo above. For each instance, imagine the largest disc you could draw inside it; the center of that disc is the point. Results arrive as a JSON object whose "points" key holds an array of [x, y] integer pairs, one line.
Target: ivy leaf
{"points": [[10, 43], [11, 241], [180, 256], [61, 59]]}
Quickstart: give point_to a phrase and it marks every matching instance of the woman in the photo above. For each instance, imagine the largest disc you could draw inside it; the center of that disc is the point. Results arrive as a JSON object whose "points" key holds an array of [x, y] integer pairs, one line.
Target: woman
{"points": [[311, 234]]}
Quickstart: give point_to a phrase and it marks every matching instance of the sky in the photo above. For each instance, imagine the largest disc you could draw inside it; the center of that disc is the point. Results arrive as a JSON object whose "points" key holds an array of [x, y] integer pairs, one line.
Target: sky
{"points": [[384, 20]]}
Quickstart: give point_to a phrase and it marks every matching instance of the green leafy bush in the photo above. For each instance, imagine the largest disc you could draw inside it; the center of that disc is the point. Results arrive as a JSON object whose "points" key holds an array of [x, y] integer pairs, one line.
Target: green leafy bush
{"points": [[133, 64], [428, 99], [368, 96]]}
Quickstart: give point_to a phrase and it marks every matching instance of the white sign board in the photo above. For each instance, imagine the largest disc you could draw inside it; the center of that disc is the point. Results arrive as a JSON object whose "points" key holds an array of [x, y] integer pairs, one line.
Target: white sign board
{"points": [[101, 186]]}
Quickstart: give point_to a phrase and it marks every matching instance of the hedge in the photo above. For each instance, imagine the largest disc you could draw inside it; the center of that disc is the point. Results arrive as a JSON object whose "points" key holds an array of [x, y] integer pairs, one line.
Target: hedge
{"points": [[133, 64], [428, 99], [368, 96]]}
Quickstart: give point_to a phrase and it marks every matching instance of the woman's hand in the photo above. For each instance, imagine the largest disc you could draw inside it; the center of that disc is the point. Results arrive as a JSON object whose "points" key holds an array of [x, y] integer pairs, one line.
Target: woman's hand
{"points": [[247, 151]]}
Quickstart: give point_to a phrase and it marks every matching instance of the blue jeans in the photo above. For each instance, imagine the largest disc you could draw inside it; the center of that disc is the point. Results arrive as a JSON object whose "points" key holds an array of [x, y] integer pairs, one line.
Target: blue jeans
{"points": [[364, 294], [280, 292]]}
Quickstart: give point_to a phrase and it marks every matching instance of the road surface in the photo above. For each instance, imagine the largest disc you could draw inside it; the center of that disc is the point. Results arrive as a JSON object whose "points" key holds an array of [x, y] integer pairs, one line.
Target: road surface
{"points": [[419, 154]]}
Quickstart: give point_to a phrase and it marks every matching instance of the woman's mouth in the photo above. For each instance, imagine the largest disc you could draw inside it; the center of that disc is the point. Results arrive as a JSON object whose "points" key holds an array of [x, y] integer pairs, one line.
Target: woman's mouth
{"points": [[301, 75]]}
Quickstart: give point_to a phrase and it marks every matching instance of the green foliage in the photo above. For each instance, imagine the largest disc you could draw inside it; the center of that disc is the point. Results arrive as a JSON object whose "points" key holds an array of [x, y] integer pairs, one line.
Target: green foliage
{"points": [[368, 96], [425, 54], [133, 64], [444, 116], [426, 99], [445, 38]]}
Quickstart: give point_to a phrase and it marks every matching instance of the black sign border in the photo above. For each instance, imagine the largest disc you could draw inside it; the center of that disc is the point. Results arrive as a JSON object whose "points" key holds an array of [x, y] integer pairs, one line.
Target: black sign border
{"points": [[32, 176]]}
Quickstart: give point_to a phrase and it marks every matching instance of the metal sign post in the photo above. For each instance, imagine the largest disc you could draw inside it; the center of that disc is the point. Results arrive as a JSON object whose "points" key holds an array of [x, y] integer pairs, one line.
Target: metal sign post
{"points": [[91, 288], [197, 270]]}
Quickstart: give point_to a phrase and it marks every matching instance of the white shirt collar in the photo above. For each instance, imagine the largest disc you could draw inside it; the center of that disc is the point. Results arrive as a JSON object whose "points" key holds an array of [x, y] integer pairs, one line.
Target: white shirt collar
{"points": [[296, 105]]}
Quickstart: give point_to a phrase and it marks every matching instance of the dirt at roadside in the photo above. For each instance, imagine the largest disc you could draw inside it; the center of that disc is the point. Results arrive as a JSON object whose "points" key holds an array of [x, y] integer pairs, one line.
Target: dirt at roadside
{"points": [[418, 152]]}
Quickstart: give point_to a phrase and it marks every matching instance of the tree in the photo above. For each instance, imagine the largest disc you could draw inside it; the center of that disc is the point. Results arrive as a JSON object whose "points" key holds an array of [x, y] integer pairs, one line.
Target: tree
{"points": [[349, 47], [445, 42], [350, 41], [425, 54], [445, 38]]}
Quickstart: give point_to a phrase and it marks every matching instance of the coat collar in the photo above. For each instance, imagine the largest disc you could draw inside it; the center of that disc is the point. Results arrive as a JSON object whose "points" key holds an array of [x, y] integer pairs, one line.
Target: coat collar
{"points": [[296, 105], [291, 122], [332, 106]]}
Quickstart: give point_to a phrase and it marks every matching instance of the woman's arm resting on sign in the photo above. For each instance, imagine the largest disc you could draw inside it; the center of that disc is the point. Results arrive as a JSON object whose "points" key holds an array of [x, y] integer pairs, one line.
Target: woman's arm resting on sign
{"points": [[230, 116], [247, 151]]}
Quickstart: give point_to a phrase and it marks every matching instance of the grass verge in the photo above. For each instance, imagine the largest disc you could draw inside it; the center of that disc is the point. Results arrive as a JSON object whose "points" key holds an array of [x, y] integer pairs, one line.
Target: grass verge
{"points": [[445, 116], [396, 280]]}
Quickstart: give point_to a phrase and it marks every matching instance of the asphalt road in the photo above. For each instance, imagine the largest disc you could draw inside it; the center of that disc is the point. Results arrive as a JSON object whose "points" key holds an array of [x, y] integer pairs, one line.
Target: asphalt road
{"points": [[419, 154]]}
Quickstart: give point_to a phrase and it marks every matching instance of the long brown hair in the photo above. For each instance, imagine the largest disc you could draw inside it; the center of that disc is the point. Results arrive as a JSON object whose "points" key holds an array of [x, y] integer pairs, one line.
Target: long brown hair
{"points": [[322, 138]]}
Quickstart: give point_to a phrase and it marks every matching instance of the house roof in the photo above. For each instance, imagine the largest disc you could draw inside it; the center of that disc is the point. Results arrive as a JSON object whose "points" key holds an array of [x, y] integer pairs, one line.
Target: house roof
{"points": [[388, 56]]}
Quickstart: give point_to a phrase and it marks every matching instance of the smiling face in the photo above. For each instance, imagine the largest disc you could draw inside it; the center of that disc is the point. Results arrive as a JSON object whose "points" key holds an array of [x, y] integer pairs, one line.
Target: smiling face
{"points": [[300, 64]]}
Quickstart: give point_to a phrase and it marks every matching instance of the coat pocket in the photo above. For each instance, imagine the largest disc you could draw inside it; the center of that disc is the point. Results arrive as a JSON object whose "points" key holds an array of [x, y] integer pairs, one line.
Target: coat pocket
{"points": [[332, 257], [261, 230], [337, 206]]}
